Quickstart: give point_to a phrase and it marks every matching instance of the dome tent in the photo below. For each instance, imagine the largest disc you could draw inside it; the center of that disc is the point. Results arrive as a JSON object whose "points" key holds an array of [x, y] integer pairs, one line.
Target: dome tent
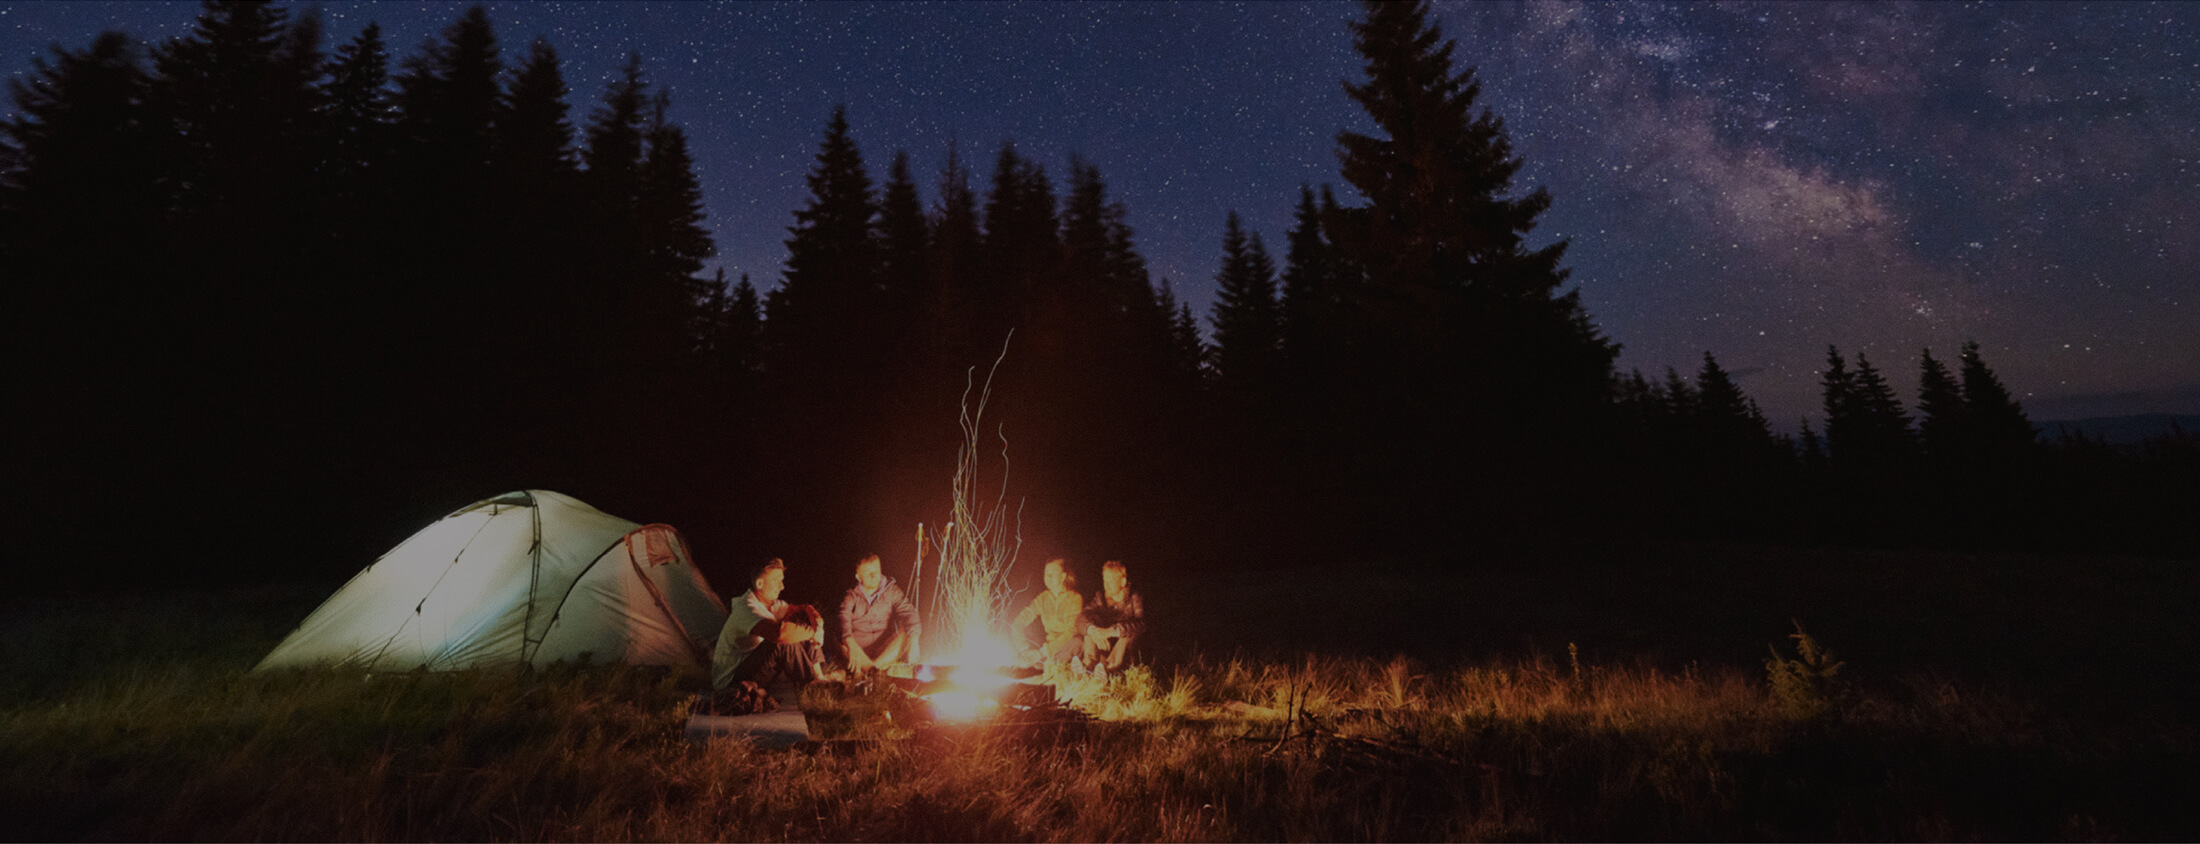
{"points": [[529, 577]]}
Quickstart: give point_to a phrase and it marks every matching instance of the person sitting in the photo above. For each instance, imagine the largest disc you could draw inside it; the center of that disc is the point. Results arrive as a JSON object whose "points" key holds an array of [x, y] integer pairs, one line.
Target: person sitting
{"points": [[784, 651], [878, 624], [1057, 610], [1114, 621], [744, 631]]}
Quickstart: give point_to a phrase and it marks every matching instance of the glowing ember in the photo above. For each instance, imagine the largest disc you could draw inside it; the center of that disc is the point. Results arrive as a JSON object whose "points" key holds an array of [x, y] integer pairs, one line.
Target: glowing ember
{"points": [[970, 591], [957, 705]]}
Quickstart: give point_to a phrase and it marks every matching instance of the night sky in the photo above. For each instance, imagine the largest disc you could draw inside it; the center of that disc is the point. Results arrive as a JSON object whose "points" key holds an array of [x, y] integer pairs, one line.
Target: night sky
{"points": [[1758, 180]]}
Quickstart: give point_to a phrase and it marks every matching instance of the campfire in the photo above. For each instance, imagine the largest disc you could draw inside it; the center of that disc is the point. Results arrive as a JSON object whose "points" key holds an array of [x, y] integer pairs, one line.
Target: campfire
{"points": [[981, 680], [957, 694]]}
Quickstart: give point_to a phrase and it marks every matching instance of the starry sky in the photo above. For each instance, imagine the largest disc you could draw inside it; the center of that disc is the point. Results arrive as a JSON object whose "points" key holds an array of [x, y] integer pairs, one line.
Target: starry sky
{"points": [[1758, 180]]}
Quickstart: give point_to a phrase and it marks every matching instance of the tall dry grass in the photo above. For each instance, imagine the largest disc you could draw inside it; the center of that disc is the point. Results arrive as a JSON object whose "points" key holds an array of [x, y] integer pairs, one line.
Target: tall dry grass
{"points": [[1208, 749]]}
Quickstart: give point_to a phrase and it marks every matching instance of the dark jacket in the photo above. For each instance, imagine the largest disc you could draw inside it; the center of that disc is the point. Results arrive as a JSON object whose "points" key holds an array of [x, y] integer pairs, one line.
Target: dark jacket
{"points": [[870, 622], [1131, 613]]}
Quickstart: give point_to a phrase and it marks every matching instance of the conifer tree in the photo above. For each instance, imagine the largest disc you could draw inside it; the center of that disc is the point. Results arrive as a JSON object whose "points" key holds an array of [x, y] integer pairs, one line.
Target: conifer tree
{"points": [[79, 207], [671, 200], [1680, 397], [447, 100], [1838, 387], [729, 323], [1462, 336], [1021, 246], [615, 139], [234, 104], [356, 101], [1865, 426], [1246, 318], [76, 176], [1995, 421], [1311, 300], [1112, 306], [904, 238], [1811, 447], [80, 203], [534, 138], [1877, 406], [831, 263], [1731, 422], [673, 240], [1941, 420], [947, 308], [1189, 356]]}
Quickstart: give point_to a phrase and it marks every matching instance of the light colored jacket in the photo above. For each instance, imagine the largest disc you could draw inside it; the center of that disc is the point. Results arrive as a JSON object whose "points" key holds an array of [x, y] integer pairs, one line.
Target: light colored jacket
{"points": [[1058, 613], [741, 618]]}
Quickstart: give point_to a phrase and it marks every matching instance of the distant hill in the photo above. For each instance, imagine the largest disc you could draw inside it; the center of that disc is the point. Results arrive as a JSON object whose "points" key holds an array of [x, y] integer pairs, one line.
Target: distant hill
{"points": [[2122, 430]]}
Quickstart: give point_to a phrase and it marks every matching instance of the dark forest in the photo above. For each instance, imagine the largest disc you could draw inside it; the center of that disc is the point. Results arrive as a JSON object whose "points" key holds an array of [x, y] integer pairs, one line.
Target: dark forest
{"points": [[276, 302]]}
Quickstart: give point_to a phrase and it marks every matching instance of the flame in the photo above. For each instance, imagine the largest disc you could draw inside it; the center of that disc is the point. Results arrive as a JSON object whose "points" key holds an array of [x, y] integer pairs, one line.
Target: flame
{"points": [[974, 686], [958, 705]]}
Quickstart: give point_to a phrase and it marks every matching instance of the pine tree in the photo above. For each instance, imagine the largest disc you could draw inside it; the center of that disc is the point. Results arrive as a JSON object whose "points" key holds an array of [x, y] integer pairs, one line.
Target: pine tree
{"points": [[674, 242], [1311, 302], [1891, 437], [1119, 327], [671, 200], [1681, 401], [234, 103], [729, 325], [545, 229], [1811, 448], [904, 240], [1246, 319], [1865, 426], [357, 103], [1021, 246], [76, 171], [615, 139], [1941, 424], [1462, 337], [79, 209], [948, 311], [831, 264], [534, 138], [1995, 422], [1838, 386], [1189, 355], [447, 100], [1732, 425]]}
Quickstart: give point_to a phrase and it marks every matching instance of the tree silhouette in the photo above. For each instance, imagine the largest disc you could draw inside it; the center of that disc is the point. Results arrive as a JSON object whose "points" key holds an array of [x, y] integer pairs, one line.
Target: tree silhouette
{"points": [[1464, 340], [831, 277], [1994, 422], [1941, 420], [1246, 319]]}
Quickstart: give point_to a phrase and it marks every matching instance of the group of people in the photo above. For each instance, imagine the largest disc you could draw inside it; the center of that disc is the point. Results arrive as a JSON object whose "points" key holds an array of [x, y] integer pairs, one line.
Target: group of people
{"points": [[767, 640], [1099, 633]]}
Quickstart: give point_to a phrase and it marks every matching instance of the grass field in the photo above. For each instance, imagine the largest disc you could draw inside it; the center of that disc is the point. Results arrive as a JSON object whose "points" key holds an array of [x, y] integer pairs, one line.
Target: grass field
{"points": [[1575, 693]]}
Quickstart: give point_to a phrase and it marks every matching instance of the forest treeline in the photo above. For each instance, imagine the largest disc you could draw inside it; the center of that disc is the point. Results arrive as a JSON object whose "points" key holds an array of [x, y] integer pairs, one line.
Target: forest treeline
{"points": [[275, 304]]}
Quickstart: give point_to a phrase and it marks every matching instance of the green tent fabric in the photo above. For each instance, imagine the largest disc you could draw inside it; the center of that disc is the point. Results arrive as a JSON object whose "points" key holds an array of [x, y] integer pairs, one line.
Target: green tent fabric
{"points": [[530, 577]]}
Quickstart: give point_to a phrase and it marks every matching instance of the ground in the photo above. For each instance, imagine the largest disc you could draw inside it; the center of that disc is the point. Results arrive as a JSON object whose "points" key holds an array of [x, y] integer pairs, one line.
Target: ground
{"points": [[1571, 692]]}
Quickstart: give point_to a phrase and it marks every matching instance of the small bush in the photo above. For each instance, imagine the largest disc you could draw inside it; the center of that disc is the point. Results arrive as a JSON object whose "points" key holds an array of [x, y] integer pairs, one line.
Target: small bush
{"points": [[1806, 687]]}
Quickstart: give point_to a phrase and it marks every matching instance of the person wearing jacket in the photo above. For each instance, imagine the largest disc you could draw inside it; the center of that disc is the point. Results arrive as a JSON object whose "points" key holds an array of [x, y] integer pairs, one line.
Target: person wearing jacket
{"points": [[1056, 610], [753, 617], [879, 626], [1114, 620]]}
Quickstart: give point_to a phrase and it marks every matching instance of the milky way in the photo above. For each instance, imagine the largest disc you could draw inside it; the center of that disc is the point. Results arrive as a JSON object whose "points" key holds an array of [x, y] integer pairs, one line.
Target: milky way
{"points": [[1756, 180]]}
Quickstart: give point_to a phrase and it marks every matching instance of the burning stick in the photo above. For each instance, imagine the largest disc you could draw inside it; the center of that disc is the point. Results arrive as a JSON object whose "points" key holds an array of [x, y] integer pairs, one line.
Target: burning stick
{"points": [[971, 588]]}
